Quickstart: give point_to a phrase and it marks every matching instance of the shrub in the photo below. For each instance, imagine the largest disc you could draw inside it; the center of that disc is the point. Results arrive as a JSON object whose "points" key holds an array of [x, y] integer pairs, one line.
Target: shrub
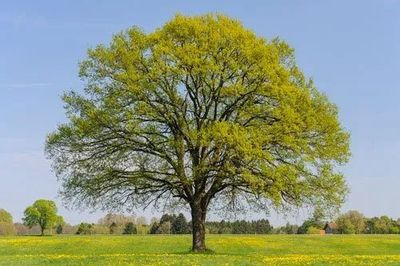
{"points": [[130, 228], [313, 230]]}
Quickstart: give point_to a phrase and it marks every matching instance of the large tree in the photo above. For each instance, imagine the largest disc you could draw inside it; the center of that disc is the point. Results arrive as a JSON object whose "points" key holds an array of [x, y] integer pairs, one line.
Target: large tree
{"points": [[200, 112]]}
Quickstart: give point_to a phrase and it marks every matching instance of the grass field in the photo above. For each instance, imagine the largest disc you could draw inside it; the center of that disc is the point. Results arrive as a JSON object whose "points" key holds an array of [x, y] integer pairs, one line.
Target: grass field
{"points": [[227, 250]]}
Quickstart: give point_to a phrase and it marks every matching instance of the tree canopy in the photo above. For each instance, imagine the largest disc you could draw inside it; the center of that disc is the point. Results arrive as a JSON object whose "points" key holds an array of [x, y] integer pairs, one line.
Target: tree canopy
{"points": [[203, 113], [6, 223], [43, 213], [5, 216]]}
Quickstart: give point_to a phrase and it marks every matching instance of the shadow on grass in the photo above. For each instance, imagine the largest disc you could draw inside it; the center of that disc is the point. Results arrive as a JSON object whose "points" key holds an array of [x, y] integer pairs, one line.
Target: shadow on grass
{"points": [[190, 251]]}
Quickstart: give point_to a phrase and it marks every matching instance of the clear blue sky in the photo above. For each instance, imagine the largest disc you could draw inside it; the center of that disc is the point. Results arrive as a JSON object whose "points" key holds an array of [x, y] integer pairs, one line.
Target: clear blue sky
{"points": [[350, 48]]}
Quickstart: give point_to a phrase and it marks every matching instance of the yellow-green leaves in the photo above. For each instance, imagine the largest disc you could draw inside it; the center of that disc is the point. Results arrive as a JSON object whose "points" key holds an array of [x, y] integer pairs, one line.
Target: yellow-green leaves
{"points": [[199, 106]]}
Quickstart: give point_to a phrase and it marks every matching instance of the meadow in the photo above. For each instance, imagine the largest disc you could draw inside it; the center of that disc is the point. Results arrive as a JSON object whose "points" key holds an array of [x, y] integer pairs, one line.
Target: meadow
{"points": [[226, 250]]}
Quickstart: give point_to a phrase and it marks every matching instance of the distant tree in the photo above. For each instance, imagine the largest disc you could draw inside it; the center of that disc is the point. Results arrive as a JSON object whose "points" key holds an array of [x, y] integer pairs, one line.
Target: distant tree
{"points": [[59, 225], [164, 228], [351, 222], [112, 227], [5, 216], [240, 227], [42, 213], [59, 229], [164, 225], [154, 228], [119, 219], [383, 225], [85, 229], [115, 223], [7, 229], [313, 230], [291, 228], [69, 229], [167, 218], [314, 221], [6, 223], [223, 227], [141, 220], [141, 225], [130, 228], [262, 226], [180, 225], [21, 229], [202, 113]]}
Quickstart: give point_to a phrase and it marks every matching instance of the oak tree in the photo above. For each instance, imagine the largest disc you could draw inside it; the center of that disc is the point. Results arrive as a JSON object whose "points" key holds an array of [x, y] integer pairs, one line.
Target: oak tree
{"points": [[201, 112]]}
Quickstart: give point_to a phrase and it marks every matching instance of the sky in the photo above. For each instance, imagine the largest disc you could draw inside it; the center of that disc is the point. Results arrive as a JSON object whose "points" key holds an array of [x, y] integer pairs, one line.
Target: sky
{"points": [[351, 49]]}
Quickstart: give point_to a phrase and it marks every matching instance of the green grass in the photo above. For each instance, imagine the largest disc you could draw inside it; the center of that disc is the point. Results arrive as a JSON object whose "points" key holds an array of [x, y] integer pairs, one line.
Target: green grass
{"points": [[227, 250]]}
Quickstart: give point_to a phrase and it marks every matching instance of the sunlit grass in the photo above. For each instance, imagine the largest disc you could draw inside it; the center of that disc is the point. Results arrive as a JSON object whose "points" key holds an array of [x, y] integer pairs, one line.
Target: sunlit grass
{"points": [[227, 250]]}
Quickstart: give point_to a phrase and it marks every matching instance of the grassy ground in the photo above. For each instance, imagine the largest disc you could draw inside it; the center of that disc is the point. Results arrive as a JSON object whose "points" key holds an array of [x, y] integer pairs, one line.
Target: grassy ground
{"points": [[228, 250]]}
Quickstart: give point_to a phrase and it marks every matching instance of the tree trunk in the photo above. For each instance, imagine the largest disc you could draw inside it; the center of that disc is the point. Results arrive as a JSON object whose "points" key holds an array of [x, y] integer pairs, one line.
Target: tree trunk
{"points": [[42, 231], [198, 228]]}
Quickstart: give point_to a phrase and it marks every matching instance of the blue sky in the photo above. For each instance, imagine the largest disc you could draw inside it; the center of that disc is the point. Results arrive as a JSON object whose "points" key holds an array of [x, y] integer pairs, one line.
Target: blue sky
{"points": [[350, 48]]}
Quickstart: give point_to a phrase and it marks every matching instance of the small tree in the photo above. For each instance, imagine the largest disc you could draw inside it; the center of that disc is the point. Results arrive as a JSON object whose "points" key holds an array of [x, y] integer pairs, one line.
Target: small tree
{"points": [[59, 229], [290, 228], [85, 229], [42, 213], [180, 225], [314, 221], [6, 223], [313, 230], [352, 222], [141, 225], [130, 228], [59, 225], [154, 227], [164, 228], [113, 227], [5, 216]]}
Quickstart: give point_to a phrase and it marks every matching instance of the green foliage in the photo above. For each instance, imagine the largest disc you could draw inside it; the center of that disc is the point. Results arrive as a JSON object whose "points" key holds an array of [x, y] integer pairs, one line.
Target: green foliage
{"points": [[164, 228], [180, 225], [59, 229], [313, 230], [5, 216], [7, 229], [315, 221], [42, 213], [170, 224], [351, 222], [130, 228], [382, 225], [85, 229], [201, 112], [113, 227], [154, 228], [287, 229], [239, 227], [6, 223]]}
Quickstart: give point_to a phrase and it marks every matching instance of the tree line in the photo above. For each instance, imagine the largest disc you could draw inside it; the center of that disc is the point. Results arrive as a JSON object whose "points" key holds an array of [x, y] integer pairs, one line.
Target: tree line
{"points": [[42, 217], [351, 222]]}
